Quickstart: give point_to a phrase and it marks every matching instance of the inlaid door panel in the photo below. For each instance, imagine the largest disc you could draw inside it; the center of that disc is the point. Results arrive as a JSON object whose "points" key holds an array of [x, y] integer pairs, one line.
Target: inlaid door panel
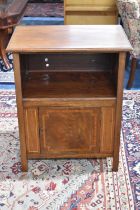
{"points": [[69, 130]]}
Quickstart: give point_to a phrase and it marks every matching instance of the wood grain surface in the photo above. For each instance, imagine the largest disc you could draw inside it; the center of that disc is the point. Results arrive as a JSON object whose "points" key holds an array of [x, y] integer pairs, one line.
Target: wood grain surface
{"points": [[69, 39], [71, 108], [69, 85]]}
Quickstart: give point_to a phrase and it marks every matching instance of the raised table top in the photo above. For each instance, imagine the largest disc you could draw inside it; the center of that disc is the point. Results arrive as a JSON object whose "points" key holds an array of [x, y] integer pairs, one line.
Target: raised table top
{"points": [[65, 38]]}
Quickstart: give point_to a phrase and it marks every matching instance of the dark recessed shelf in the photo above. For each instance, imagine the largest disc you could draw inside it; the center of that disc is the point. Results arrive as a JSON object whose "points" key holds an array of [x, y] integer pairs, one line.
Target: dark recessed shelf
{"points": [[69, 85]]}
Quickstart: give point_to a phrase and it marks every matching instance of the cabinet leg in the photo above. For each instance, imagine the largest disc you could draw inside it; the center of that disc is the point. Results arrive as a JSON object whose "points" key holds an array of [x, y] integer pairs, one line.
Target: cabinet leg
{"points": [[115, 164], [24, 165], [132, 73], [20, 112], [121, 67]]}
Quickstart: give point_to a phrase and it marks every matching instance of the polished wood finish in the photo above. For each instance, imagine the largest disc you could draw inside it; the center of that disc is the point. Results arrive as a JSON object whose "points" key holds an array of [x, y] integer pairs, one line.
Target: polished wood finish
{"points": [[11, 12], [107, 129], [20, 111], [69, 85], [132, 72], [69, 39], [120, 79], [69, 101], [76, 130], [88, 12], [31, 130]]}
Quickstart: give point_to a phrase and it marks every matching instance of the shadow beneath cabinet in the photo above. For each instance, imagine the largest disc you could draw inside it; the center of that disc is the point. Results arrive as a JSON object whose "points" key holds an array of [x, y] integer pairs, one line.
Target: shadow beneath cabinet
{"points": [[10, 165]]}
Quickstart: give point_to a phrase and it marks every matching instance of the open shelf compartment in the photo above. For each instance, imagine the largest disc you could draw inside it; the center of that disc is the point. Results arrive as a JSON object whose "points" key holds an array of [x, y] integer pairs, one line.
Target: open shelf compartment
{"points": [[68, 75]]}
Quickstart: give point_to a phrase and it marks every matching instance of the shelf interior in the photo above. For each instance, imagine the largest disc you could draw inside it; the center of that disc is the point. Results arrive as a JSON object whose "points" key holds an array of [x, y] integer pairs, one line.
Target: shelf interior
{"points": [[68, 85]]}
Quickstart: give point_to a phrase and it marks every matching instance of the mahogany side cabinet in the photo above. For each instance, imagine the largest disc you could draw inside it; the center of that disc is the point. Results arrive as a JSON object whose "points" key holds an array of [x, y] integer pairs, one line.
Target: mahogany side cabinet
{"points": [[69, 89]]}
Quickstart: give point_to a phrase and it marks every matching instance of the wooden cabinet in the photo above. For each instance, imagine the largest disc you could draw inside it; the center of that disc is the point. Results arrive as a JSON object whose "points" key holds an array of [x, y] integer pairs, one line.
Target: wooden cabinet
{"points": [[69, 85], [90, 12]]}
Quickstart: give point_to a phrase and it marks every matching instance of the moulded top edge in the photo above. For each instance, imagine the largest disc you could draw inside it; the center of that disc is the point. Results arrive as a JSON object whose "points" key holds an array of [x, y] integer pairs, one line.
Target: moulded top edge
{"points": [[68, 38]]}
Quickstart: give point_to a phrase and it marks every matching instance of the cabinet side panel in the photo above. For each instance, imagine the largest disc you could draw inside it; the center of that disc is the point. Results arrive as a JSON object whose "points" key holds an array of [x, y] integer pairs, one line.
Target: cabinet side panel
{"points": [[32, 130], [107, 129], [120, 79], [20, 111]]}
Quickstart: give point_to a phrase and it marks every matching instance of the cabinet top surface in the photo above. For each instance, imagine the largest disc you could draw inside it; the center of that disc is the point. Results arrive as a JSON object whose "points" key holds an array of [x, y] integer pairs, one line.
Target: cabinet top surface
{"points": [[68, 38]]}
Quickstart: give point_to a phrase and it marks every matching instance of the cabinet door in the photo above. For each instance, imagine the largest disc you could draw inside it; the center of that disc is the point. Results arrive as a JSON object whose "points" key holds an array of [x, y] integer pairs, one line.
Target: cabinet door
{"points": [[69, 131]]}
